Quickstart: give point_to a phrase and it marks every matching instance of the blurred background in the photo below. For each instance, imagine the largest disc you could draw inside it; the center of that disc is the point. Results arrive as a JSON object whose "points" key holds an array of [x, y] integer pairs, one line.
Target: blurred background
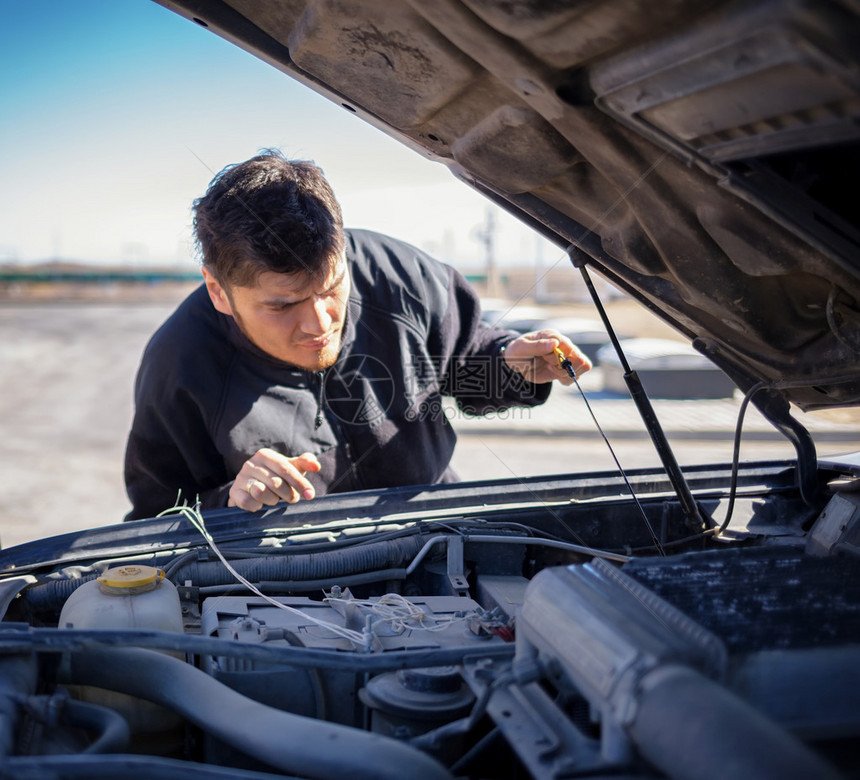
{"points": [[115, 116]]}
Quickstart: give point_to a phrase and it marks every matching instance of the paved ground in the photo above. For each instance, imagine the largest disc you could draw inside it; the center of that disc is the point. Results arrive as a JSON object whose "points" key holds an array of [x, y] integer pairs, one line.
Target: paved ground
{"points": [[66, 374]]}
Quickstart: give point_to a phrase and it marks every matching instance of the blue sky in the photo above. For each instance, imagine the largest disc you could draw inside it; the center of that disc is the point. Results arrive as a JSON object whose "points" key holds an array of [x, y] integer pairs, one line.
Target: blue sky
{"points": [[115, 114]]}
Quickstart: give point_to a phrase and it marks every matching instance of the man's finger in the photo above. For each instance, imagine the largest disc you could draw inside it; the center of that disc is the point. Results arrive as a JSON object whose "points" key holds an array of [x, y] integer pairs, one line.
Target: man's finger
{"points": [[260, 491], [261, 483], [307, 461], [241, 498], [292, 487], [268, 477], [284, 476], [294, 484]]}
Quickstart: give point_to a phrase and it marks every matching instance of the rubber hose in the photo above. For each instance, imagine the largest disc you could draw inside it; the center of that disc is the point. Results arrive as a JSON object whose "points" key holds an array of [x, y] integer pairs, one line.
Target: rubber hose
{"points": [[309, 586], [291, 743], [392, 553], [51, 595], [111, 727], [17, 679], [126, 767], [690, 727]]}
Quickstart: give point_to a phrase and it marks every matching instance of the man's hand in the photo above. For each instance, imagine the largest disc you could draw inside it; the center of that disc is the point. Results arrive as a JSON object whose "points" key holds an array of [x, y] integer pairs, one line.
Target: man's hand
{"points": [[533, 356], [268, 477]]}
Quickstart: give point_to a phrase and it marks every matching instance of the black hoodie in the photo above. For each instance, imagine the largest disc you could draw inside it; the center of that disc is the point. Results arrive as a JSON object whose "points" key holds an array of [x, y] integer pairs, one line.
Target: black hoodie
{"points": [[206, 399]]}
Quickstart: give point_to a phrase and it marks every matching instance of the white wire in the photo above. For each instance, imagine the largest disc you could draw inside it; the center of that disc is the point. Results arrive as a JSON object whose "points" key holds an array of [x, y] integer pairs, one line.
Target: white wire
{"points": [[192, 514], [392, 608], [400, 613]]}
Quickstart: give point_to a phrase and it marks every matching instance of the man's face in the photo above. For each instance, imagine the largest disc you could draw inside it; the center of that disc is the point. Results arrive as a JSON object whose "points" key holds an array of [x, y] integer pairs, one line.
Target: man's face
{"points": [[288, 316]]}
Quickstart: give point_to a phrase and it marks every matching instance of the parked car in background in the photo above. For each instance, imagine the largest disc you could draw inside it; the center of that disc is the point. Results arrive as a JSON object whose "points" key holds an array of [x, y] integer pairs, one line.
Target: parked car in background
{"points": [[703, 623], [667, 369]]}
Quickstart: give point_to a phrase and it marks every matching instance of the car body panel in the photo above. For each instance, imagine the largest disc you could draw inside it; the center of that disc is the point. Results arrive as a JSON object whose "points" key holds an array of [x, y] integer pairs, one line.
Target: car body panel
{"points": [[699, 156], [648, 624]]}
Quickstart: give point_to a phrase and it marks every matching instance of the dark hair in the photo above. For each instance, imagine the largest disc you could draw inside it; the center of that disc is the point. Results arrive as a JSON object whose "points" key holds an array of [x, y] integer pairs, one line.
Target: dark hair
{"points": [[268, 214]]}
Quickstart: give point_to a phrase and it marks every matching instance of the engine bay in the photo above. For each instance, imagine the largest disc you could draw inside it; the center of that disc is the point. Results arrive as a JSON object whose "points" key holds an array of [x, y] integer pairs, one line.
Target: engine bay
{"points": [[513, 639], [654, 624]]}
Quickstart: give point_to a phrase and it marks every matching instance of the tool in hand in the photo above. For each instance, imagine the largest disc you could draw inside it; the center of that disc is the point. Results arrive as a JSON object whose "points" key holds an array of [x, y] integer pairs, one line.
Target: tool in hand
{"points": [[564, 362]]}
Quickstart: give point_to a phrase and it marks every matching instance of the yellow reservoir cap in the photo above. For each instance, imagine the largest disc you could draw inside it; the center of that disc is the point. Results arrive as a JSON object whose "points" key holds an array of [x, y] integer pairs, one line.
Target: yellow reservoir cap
{"points": [[132, 576]]}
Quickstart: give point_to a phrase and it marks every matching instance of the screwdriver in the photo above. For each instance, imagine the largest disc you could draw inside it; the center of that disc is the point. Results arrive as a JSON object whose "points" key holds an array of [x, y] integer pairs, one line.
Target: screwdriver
{"points": [[564, 362]]}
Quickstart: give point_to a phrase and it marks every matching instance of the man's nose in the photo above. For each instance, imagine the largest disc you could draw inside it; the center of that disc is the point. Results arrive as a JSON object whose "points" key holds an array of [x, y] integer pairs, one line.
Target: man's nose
{"points": [[317, 320]]}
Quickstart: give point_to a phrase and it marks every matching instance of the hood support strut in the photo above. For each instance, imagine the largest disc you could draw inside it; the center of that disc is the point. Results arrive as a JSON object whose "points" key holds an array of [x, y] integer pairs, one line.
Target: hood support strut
{"points": [[692, 511]]}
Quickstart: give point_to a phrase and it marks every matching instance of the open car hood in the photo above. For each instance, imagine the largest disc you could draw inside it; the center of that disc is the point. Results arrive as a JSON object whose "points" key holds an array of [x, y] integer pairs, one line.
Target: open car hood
{"points": [[696, 154]]}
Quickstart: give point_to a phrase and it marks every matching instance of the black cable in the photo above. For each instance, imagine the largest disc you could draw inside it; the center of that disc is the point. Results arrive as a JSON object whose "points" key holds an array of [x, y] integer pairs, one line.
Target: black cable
{"points": [[479, 747], [672, 544], [782, 385], [565, 363], [736, 452]]}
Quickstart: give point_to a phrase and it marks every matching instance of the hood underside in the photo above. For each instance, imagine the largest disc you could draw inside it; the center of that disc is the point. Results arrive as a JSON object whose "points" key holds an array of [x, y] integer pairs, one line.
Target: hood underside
{"points": [[699, 155]]}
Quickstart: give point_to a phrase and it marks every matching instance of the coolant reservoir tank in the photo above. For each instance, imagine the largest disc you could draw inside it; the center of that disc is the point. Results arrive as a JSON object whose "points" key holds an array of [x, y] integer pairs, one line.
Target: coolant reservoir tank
{"points": [[125, 597], [131, 596]]}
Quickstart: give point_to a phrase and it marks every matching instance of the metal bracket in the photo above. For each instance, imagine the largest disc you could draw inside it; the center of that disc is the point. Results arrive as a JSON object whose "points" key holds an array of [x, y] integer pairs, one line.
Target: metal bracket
{"points": [[456, 569]]}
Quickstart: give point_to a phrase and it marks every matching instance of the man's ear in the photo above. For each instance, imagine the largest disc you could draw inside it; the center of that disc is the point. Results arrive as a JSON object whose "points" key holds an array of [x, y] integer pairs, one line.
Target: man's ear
{"points": [[217, 294]]}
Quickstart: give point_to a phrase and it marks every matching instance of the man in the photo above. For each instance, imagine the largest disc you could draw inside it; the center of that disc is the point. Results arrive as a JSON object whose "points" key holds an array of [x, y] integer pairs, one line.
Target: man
{"points": [[314, 359]]}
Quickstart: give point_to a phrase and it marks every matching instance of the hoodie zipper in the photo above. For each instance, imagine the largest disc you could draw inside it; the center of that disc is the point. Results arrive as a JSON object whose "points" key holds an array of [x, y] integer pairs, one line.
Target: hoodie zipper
{"points": [[318, 420], [338, 429]]}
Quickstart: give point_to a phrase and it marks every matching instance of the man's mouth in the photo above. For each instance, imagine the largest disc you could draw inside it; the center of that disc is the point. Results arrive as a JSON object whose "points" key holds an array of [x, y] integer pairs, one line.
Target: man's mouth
{"points": [[318, 343]]}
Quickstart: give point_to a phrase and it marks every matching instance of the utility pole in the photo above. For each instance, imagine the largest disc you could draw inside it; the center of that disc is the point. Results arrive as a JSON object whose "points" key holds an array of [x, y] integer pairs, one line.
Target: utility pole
{"points": [[541, 291], [487, 236]]}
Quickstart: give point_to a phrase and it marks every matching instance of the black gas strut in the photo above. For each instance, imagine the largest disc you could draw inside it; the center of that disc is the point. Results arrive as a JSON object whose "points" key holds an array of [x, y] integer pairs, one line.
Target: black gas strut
{"points": [[691, 509]]}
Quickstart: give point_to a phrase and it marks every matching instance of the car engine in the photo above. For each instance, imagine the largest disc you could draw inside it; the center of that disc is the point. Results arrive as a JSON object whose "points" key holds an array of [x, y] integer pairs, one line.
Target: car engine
{"points": [[494, 643]]}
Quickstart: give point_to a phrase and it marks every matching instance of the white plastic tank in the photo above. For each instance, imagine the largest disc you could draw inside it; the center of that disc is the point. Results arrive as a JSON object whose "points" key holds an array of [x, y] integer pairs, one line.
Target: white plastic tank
{"points": [[130, 596]]}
